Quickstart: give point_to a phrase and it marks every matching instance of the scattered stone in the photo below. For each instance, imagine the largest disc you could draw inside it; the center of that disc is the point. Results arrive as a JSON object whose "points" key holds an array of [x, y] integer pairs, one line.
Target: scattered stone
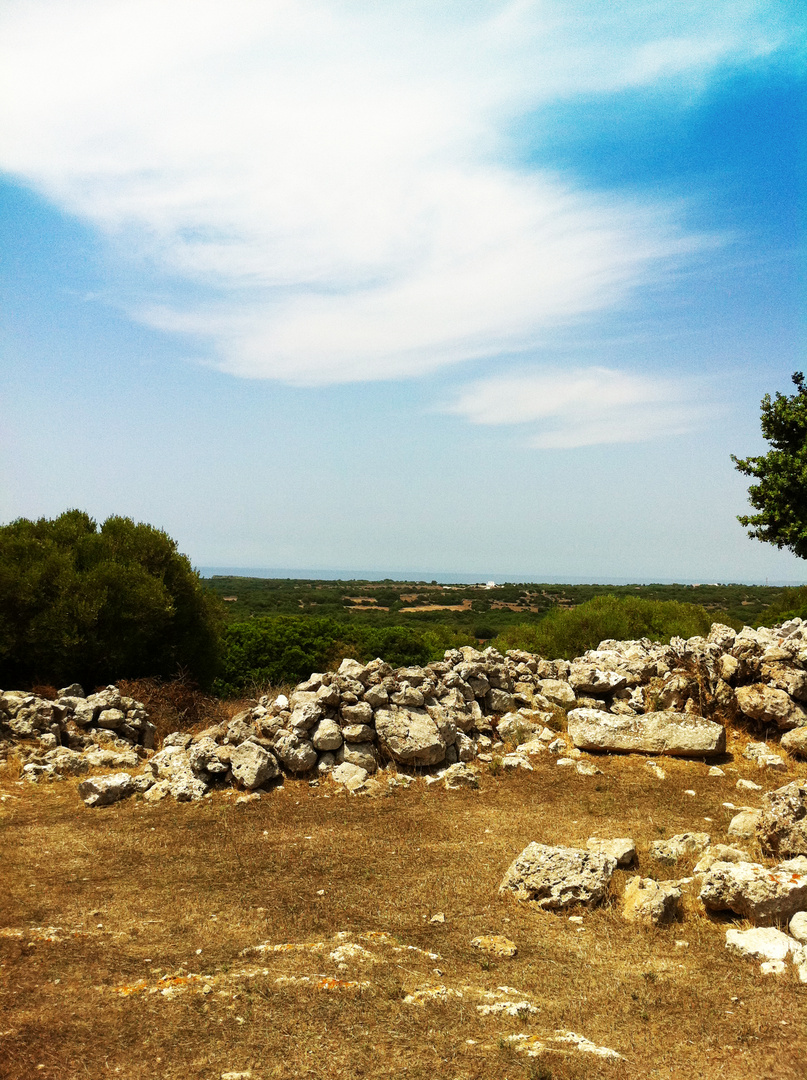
{"points": [[651, 902], [720, 853], [555, 878], [760, 943], [349, 775], [621, 848], [762, 896], [715, 770], [795, 742], [782, 826], [764, 757], [439, 918], [743, 826], [798, 926], [105, 790], [459, 776], [748, 785], [495, 945], [670, 851]]}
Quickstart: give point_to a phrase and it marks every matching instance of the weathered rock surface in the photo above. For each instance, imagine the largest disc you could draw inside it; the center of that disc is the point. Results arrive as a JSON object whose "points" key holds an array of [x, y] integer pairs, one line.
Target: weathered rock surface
{"points": [[621, 848], [795, 742], [495, 945], [680, 734], [782, 825], [410, 736], [670, 851], [105, 790], [555, 878], [760, 943], [770, 706], [459, 776], [253, 765], [798, 926], [762, 896], [743, 826], [651, 902]]}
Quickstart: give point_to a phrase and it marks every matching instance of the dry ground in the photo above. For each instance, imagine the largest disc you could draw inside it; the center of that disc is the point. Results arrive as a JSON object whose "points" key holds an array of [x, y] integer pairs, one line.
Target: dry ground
{"points": [[110, 915]]}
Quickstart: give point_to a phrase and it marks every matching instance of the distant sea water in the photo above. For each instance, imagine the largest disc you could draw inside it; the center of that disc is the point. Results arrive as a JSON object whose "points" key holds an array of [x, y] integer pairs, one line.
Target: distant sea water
{"points": [[460, 577]]}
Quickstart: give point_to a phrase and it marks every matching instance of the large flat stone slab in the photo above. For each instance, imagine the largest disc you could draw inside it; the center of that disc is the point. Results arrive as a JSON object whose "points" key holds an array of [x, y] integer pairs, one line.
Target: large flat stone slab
{"points": [[673, 733]]}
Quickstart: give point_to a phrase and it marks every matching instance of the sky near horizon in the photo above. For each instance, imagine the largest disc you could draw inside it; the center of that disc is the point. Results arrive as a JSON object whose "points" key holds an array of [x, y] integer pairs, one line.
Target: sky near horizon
{"points": [[486, 287]]}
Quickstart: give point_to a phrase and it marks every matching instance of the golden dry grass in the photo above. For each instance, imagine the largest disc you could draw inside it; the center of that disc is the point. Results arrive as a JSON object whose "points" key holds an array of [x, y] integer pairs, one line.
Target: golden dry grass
{"points": [[137, 890]]}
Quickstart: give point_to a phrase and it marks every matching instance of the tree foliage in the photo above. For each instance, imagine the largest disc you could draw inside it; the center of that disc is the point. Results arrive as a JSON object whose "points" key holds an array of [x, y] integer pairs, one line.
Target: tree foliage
{"points": [[276, 649], [565, 634], [78, 602], [780, 494]]}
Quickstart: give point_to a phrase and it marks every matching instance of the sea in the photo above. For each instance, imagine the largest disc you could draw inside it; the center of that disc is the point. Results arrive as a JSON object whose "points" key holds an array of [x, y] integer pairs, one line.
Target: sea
{"points": [[460, 577]]}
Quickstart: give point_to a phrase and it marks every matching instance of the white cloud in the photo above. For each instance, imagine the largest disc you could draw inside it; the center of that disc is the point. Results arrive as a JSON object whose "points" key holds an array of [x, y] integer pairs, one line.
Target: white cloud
{"points": [[335, 173], [584, 407]]}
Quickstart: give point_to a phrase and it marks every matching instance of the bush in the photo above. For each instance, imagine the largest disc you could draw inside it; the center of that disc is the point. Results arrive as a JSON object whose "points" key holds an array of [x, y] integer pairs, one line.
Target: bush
{"points": [[97, 605], [279, 649], [790, 604], [565, 634]]}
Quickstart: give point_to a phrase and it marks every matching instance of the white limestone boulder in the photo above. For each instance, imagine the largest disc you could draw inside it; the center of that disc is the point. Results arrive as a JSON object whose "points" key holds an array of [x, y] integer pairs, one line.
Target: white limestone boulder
{"points": [[763, 896], [760, 943], [782, 825], [105, 790], [556, 878], [621, 848], [652, 903], [253, 765], [410, 736], [676, 734], [677, 847], [769, 705]]}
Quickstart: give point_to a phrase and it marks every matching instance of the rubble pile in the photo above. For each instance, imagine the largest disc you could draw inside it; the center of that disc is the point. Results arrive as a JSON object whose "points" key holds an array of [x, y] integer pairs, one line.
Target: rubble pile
{"points": [[624, 696]]}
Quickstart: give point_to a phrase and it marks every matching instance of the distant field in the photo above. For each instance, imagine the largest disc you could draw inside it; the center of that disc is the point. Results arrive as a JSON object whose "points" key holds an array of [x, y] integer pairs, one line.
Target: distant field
{"points": [[463, 607]]}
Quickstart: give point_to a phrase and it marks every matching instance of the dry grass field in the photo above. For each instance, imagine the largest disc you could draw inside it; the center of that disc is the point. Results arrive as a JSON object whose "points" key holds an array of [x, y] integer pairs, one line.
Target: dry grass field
{"points": [[128, 935]]}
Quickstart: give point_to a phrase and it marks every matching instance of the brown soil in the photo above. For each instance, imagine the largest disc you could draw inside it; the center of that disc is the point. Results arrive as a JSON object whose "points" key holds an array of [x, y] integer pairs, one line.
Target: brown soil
{"points": [[116, 920]]}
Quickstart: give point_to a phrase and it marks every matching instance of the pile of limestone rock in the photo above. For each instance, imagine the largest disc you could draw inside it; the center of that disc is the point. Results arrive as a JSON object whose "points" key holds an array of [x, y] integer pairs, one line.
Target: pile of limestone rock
{"points": [[74, 733], [625, 696], [726, 879]]}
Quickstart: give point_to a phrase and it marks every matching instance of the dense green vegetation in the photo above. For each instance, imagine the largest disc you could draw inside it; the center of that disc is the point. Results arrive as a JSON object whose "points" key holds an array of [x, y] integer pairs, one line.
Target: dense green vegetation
{"points": [[569, 633], [279, 649], [95, 605]]}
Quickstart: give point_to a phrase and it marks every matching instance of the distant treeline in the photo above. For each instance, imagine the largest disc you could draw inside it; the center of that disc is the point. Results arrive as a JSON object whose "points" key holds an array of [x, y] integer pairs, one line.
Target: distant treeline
{"points": [[79, 602]]}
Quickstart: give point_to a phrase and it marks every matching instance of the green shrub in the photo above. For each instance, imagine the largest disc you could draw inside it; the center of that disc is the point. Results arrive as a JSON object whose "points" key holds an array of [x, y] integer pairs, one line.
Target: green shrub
{"points": [[790, 604], [278, 649], [564, 634], [95, 605]]}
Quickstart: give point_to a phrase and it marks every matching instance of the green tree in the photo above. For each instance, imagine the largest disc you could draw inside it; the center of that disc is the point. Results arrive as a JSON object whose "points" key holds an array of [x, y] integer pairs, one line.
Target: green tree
{"points": [[88, 604], [780, 494]]}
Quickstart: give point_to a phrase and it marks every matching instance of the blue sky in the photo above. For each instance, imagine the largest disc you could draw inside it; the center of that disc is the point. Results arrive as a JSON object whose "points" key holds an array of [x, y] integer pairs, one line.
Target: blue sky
{"points": [[484, 287]]}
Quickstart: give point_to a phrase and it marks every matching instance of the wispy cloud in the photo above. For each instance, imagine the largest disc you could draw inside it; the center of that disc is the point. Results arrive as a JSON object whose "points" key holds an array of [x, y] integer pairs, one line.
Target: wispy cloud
{"points": [[585, 407], [333, 176]]}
